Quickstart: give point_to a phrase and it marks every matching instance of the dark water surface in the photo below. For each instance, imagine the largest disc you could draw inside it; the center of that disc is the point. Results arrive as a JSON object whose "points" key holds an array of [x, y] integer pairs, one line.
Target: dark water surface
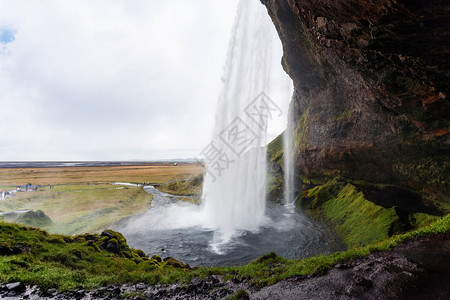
{"points": [[163, 231]]}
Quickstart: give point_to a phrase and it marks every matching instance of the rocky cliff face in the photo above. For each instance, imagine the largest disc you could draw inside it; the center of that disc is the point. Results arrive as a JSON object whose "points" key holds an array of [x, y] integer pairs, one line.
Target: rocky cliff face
{"points": [[371, 80]]}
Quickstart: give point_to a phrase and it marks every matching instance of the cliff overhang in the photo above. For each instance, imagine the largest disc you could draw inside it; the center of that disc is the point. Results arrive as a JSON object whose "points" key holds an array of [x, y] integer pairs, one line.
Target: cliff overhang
{"points": [[371, 89]]}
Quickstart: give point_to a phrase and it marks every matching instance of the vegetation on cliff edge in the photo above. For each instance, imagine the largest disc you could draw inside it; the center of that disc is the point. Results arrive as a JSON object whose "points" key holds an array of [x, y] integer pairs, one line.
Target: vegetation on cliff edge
{"points": [[357, 220], [33, 256]]}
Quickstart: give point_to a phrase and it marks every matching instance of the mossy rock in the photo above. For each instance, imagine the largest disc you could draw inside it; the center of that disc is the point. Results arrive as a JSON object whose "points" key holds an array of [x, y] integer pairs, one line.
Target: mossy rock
{"points": [[156, 258], [113, 246], [269, 256], [357, 220], [239, 295], [31, 218], [170, 261], [141, 253], [56, 240]]}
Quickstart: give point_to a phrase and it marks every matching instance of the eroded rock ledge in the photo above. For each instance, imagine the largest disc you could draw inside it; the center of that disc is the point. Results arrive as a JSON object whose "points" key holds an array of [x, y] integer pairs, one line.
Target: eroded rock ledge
{"points": [[414, 270], [371, 80]]}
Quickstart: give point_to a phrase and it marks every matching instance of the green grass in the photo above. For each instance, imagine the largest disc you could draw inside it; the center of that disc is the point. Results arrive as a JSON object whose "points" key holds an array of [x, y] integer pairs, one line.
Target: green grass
{"points": [[275, 151], [71, 262], [78, 209], [301, 132], [68, 262], [357, 220], [190, 187], [271, 268]]}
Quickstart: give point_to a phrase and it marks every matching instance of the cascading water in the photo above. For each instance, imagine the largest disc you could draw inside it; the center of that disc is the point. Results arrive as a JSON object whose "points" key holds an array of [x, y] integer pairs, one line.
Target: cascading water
{"points": [[235, 182], [288, 163], [233, 224]]}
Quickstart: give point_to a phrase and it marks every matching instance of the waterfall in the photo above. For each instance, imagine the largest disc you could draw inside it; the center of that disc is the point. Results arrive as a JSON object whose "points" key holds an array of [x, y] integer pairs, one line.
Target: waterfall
{"points": [[288, 163], [235, 182]]}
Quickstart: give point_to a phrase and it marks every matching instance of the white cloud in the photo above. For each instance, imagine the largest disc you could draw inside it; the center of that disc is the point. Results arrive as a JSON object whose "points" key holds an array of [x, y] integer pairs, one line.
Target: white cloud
{"points": [[110, 80]]}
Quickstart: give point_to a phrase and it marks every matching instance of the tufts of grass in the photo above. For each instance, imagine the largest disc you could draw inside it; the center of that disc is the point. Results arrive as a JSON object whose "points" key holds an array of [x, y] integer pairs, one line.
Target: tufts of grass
{"points": [[357, 220], [239, 295], [91, 261]]}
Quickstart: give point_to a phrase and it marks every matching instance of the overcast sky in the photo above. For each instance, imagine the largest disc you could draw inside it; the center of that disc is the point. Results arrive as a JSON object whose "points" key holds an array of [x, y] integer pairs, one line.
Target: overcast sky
{"points": [[110, 79]]}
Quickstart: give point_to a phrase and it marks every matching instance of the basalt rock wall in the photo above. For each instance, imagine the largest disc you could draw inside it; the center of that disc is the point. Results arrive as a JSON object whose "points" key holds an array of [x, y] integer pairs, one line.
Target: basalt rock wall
{"points": [[371, 79]]}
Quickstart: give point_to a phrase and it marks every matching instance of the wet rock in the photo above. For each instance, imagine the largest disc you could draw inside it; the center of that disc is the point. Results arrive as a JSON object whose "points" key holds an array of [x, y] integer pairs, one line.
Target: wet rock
{"points": [[48, 293], [116, 291], [107, 234], [342, 266], [90, 237], [370, 79], [5, 249], [197, 282], [213, 279], [297, 277], [113, 246], [359, 285], [21, 248], [414, 270], [16, 287], [157, 258], [236, 280]]}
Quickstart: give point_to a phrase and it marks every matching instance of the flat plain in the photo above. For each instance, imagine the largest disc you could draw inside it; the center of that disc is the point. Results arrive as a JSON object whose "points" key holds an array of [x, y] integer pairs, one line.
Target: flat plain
{"points": [[84, 199]]}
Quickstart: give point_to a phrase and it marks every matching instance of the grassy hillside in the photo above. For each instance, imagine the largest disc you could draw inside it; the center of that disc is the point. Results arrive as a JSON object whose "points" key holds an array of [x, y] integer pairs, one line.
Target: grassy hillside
{"points": [[33, 256]]}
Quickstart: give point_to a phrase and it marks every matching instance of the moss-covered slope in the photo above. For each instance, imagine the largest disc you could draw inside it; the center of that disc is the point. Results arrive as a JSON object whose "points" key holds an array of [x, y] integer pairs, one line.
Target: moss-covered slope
{"points": [[33, 256], [358, 220]]}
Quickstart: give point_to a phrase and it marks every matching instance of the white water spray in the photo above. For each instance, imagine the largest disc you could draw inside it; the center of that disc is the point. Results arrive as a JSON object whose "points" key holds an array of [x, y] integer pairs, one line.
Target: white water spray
{"points": [[288, 163], [235, 196], [234, 191]]}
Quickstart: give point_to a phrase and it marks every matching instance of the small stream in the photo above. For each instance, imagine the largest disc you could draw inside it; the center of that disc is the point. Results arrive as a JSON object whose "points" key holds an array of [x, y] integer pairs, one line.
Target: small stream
{"points": [[174, 228]]}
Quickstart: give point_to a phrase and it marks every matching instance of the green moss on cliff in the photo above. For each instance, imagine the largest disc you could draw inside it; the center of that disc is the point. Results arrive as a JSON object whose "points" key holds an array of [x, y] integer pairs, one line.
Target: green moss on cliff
{"points": [[301, 133], [33, 256], [430, 171], [346, 115], [357, 220], [275, 151], [275, 171]]}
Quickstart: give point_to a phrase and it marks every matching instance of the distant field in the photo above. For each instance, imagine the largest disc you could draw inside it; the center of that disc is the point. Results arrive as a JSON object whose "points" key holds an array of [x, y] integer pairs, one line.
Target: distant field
{"points": [[83, 199], [65, 175]]}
